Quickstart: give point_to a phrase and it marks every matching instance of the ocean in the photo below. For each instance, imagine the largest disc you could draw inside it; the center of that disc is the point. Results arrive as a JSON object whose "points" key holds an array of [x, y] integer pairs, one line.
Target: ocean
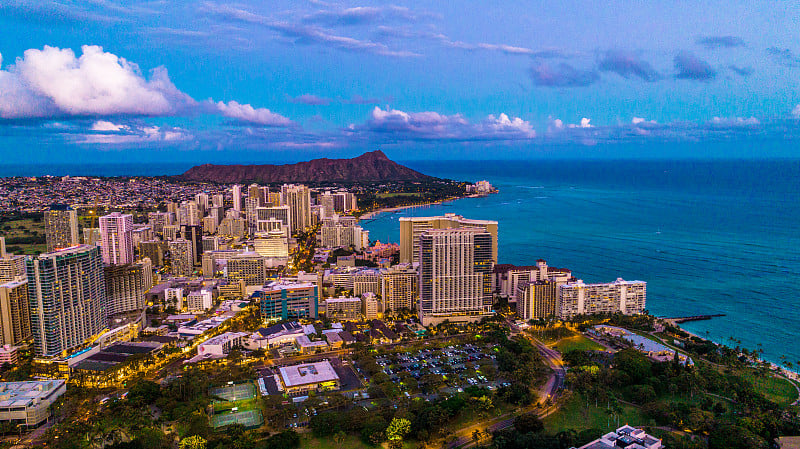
{"points": [[714, 236], [708, 236]]}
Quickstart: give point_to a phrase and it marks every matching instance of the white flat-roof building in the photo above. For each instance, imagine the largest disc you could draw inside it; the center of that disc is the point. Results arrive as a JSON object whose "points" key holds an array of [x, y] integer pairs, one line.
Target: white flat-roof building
{"points": [[577, 298], [29, 402], [626, 437], [306, 377], [221, 344]]}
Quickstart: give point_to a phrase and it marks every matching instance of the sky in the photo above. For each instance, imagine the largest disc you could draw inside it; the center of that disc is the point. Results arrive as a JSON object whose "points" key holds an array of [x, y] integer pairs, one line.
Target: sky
{"points": [[254, 81]]}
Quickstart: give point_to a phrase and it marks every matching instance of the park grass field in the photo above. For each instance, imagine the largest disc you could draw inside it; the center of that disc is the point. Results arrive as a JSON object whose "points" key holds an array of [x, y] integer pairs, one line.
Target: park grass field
{"points": [[576, 342], [24, 228], [776, 389], [390, 195], [574, 414]]}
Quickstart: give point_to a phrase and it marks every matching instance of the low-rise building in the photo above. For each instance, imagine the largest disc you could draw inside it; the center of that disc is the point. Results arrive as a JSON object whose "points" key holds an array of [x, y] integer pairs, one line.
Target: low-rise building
{"points": [[9, 354], [221, 344], [301, 379], [29, 402], [626, 437]]}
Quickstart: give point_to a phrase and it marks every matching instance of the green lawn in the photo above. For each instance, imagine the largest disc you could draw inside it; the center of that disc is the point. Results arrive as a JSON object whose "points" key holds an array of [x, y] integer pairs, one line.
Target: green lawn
{"points": [[390, 195], [576, 342], [26, 228], [575, 414], [776, 389]]}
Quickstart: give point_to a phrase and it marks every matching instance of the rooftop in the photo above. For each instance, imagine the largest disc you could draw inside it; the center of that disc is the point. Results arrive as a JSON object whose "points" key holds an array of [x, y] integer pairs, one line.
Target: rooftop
{"points": [[22, 394], [308, 373]]}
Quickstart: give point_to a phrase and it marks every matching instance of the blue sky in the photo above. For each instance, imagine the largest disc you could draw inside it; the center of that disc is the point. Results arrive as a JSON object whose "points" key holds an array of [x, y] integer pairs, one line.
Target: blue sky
{"points": [[105, 80]]}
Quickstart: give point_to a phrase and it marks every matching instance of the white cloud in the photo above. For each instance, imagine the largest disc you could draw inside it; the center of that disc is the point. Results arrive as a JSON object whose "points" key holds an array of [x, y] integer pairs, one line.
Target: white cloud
{"points": [[583, 124], [111, 134], [103, 125], [429, 125], [642, 121], [503, 124], [735, 121], [247, 113], [53, 82], [796, 111]]}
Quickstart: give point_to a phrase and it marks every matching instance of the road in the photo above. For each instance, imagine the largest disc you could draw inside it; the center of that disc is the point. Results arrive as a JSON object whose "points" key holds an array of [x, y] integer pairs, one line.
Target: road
{"points": [[548, 394]]}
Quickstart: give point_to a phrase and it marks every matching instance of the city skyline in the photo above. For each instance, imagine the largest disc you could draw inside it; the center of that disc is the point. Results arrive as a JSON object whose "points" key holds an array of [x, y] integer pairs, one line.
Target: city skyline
{"points": [[207, 81]]}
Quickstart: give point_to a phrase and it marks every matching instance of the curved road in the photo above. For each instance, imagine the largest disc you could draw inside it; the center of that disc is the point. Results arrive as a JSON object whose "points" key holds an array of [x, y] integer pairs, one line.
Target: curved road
{"points": [[550, 390]]}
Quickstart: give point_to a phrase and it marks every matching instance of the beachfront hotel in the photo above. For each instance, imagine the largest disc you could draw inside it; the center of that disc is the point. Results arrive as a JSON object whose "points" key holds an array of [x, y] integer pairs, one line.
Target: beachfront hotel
{"points": [[411, 228], [455, 275], [578, 298]]}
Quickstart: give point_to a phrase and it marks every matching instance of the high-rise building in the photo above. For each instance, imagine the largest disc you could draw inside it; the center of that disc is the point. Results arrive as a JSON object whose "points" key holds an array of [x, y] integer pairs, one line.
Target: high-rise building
{"points": [[61, 227], [194, 234], [411, 228], [181, 257], [273, 244], [343, 236], [326, 201], [237, 197], [343, 309], [15, 316], [285, 300], [218, 200], [154, 250], [188, 214], [269, 214], [298, 198], [202, 202], [116, 237], [507, 278], [158, 220], [233, 227], [536, 300], [142, 233], [399, 287], [371, 306], [248, 267], [125, 288], [67, 297], [91, 236], [367, 281], [577, 298], [455, 275], [12, 268], [254, 192]]}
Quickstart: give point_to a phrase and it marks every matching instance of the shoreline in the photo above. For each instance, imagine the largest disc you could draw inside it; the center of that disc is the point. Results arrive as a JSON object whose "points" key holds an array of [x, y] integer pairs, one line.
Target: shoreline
{"points": [[791, 375], [373, 214]]}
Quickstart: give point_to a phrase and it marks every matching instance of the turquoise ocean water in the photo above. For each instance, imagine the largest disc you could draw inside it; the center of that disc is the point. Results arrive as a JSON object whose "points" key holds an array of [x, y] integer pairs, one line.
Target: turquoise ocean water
{"points": [[708, 236]]}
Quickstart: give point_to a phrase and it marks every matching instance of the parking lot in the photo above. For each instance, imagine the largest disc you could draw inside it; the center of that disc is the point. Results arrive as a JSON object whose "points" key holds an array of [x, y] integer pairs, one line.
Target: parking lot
{"points": [[462, 366]]}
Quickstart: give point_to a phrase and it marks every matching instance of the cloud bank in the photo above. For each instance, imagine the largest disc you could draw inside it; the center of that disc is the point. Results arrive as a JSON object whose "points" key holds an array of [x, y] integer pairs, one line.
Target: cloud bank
{"points": [[54, 82], [394, 124]]}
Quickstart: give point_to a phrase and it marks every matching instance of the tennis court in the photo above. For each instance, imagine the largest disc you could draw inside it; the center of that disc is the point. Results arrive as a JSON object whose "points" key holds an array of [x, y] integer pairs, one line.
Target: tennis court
{"points": [[247, 418], [235, 392], [235, 404]]}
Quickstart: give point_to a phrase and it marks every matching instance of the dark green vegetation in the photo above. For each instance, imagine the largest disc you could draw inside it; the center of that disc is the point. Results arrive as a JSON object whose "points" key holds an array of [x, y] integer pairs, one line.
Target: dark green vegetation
{"points": [[432, 409], [23, 234], [728, 399], [400, 194]]}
